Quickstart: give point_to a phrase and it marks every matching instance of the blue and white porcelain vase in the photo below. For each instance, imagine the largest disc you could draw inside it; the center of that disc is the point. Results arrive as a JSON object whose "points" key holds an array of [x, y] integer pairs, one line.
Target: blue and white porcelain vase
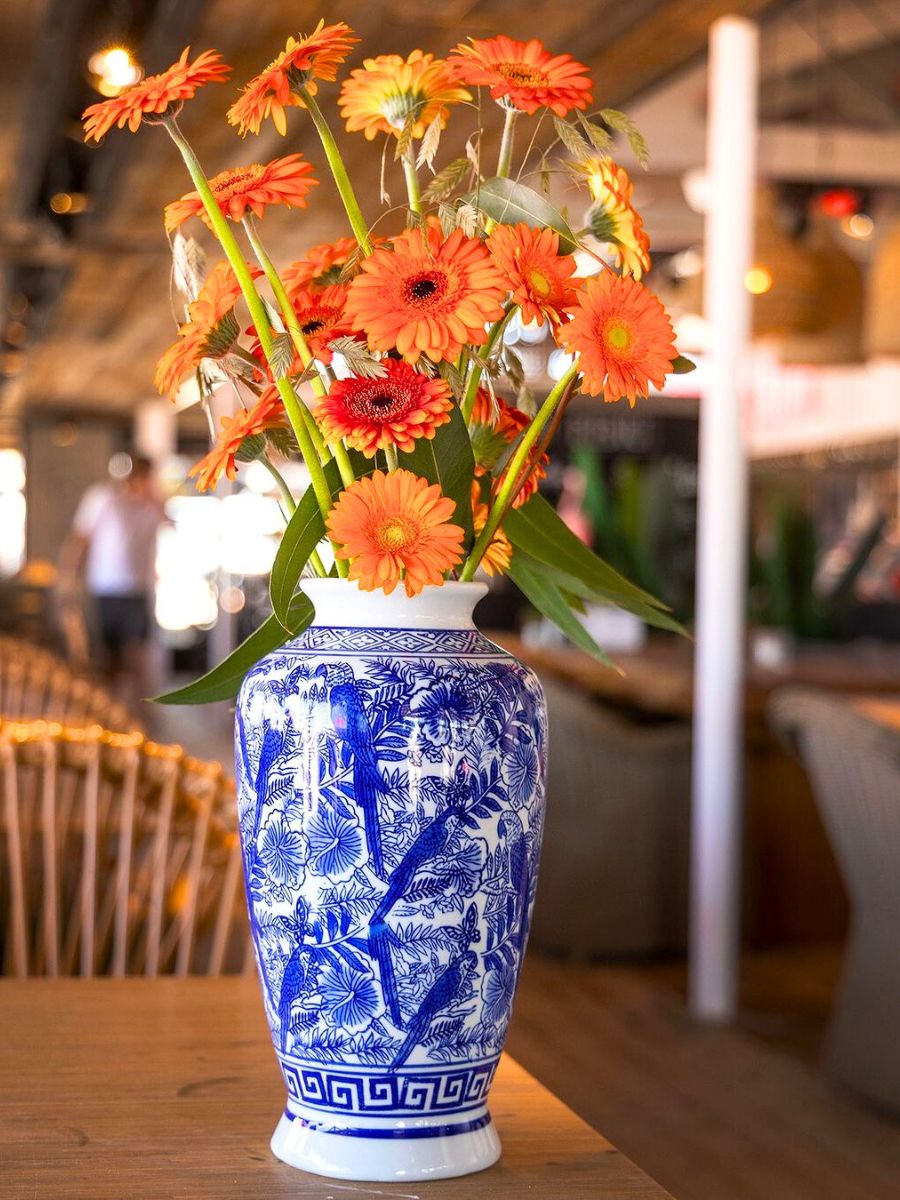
{"points": [[391, 766]]}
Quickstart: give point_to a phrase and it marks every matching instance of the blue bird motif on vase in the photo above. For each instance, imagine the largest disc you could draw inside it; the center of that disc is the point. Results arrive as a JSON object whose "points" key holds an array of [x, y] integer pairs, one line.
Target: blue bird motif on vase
{"points": [[348, 716]]}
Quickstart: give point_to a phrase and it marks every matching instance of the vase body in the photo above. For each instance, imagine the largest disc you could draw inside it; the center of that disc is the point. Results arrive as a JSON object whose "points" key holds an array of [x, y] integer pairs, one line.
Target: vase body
{"points": [[391, 766]]}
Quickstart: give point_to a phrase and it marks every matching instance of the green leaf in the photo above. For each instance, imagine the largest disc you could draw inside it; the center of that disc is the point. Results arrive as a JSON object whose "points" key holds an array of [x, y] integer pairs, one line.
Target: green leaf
{"points": [[447, 459], [508, 202], [622, 123], [547, 598], [539, 530], [683, 366], [223, 681]]}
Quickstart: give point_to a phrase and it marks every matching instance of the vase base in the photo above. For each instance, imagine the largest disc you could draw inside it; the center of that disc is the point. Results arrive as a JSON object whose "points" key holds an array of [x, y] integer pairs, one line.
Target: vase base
{"points": [[408, 1150]]}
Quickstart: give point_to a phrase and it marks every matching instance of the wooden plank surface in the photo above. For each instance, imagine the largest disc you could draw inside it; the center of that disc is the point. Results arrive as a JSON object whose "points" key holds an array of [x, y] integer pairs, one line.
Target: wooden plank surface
{"points": [[133, 1089]]}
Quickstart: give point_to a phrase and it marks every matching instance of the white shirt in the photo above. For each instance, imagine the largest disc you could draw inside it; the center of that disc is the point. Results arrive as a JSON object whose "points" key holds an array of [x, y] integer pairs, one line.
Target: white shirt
{"points": [[121, 534]]}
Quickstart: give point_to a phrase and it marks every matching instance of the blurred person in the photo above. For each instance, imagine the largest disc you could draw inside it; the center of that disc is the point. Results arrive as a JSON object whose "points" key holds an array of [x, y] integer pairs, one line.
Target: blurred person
{"points": [[113, 541]]}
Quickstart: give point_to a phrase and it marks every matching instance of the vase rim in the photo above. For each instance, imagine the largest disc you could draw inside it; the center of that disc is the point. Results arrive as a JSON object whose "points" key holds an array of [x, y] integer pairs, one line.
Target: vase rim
{"points": [[340, 602]]}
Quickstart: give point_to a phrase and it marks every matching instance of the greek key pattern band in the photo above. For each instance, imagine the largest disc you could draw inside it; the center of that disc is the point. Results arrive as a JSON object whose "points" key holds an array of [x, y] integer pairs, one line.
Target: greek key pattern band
{"points": [[450, 1090]]}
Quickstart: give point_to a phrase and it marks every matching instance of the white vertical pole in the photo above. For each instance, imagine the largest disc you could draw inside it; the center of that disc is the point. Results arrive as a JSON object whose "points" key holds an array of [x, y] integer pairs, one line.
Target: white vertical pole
{"points": [[722, 527]]}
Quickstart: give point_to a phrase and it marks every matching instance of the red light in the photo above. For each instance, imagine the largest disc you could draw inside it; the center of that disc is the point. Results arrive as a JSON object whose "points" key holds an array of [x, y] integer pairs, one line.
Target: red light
{"points": [[840, 202]]}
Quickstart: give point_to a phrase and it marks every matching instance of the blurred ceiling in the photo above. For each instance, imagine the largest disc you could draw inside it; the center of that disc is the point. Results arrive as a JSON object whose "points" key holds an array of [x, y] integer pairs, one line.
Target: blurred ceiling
{"points": [[84, 309]]}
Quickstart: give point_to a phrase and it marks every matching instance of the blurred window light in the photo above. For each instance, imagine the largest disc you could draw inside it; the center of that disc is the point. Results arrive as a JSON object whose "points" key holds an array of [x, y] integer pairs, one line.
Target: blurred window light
{"points": [[248, 524], [587, 264], [12, 532], [185, 603], [114, 69], [692, 332], [758, 280], [859, 225], [256, 477], [12, 471]]}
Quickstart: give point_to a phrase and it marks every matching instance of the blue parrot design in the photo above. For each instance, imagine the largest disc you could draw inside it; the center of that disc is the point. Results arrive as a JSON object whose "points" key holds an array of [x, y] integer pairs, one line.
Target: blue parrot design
{"points": [[519, 868], [429, 845], [446, 989], [295, 973], [348, 715]]}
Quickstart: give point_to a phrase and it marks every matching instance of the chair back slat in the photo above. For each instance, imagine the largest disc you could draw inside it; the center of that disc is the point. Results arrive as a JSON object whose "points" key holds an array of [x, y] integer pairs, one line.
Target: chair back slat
{"points": [[225, 915], [159, 856], [18, 920], [123, 866], [89, 861], [50, 873]]}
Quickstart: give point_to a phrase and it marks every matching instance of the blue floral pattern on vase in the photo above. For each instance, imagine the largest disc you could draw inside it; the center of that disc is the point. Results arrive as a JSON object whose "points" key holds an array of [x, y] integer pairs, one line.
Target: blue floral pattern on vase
{"points": [[391, 807]]}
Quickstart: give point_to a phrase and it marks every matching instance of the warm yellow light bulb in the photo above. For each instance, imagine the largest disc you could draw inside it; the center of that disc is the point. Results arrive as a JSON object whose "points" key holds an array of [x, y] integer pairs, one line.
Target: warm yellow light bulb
{"points": [[758, 280], [115, 69]]}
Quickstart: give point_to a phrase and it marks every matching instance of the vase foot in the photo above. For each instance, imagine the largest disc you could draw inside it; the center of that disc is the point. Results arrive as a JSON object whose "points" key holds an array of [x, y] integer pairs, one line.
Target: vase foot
{"points": [[404, 1150]]}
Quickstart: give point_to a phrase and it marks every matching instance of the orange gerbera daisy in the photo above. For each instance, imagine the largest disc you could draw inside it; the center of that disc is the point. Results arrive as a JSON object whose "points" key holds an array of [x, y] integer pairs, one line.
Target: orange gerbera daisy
{"points": [[497, 557], [386, 92], [493, 427], [322, 319], [426, 295], [623, 337], [210, 331], [155, 95], [395, 526], [320, 266], [267, 413], [523, 75], [300, 64], [615, 220], [393, 410], [538, 274], [282, 181]]}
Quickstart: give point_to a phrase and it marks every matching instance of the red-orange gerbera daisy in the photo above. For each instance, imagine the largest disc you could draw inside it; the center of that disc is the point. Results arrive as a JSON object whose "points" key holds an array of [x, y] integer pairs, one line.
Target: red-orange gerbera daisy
{"points": [[393, 410], [301, 63], [497, 557], [386, 92], [537, 273], [426, 295], [493, 426], [267, 413], [523, 75], [395, 526], [282, 181], [614, 219], [154, 95], [209, 332], [623, 337], [322, 319]]}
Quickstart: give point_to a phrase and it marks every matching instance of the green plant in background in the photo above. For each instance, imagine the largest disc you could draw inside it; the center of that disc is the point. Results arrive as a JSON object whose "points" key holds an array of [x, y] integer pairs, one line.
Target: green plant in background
{"points": [[639, 525]]}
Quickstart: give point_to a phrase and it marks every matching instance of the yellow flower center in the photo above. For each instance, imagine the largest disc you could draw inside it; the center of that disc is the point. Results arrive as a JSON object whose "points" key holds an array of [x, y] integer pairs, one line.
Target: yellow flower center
{"points": [[539, 283], [618, 336], [396, 533], [522, 75]]}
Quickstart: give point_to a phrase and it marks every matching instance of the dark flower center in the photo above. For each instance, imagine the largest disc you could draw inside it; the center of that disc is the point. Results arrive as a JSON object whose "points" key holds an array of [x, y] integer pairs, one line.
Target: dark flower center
{"points": [[382, 401], [422, 289], [312, 327]]}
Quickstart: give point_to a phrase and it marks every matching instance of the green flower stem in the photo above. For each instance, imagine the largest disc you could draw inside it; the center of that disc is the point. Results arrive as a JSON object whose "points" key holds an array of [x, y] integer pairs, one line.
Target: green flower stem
{"points": [[390, 454], [477, 370], [291, 505], [412, 181], [513, 471], [507, 141], [298, 337], [338, 170], [258, 314]]}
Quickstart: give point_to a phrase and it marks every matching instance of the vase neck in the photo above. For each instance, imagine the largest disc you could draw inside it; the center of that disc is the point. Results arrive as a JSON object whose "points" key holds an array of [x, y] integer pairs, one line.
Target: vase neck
{"points": [[338, 602]]}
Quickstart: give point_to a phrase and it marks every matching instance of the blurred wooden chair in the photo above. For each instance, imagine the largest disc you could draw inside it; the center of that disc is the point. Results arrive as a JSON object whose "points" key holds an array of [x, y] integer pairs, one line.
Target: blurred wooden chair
{"points": [[853, 765], [118, 856], [36, 684]]}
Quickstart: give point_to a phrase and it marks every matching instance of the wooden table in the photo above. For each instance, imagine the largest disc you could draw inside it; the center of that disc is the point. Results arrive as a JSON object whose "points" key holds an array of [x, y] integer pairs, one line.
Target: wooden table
{"points": [[146, 1089]]}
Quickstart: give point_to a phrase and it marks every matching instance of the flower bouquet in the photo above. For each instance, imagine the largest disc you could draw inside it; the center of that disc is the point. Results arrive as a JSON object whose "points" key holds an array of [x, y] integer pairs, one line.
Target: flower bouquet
{"points": [[391, 760]]}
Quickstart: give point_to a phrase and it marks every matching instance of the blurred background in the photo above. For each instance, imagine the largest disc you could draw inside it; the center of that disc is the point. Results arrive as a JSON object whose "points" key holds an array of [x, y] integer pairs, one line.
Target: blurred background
{"points": [[764, 1059]]}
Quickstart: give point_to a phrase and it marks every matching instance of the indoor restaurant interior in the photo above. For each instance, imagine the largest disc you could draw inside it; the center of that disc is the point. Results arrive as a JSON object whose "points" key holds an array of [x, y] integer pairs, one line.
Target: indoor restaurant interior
{"points": [[710, 1002]]}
